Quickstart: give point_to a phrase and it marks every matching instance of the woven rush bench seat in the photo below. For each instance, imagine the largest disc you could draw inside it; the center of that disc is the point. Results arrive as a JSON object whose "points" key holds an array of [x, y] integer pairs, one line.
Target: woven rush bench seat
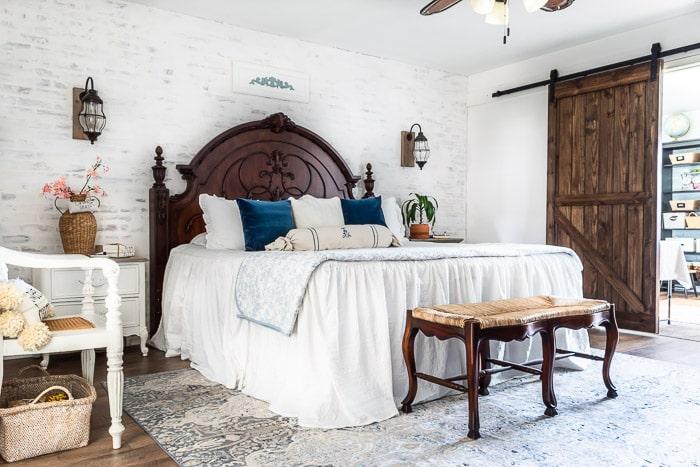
{"points": [[511, 312], [476, 324]]}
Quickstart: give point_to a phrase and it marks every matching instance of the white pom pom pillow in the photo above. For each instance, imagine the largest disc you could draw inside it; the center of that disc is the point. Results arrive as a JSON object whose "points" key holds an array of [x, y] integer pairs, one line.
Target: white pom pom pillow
{"points": [[335, 238]]}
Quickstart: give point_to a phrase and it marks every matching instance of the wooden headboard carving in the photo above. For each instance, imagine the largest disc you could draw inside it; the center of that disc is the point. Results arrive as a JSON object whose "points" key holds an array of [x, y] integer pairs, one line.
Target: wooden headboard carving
{"points": [[269, 159]]}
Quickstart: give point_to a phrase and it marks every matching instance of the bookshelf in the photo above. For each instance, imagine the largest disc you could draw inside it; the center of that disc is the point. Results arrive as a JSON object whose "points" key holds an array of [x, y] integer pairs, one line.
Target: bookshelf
{"points": [[671, 188]]}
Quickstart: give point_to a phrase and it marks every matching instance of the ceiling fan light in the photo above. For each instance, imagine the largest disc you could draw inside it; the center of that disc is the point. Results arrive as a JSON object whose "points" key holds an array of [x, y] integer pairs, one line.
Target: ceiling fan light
{"points": [[499, 14], [532, 6], [483, 7]]}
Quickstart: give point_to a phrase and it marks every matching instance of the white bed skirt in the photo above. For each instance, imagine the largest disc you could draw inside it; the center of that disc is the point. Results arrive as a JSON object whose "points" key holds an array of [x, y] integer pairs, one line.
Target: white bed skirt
{"points": [[343, 365]]}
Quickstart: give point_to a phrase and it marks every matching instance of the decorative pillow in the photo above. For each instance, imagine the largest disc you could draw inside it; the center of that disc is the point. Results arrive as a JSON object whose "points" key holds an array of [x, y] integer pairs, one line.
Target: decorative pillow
{"points": [[33, 304], [335, 238], [264, 221], [393, 218], [223, 223], [310, 211], [363, 211]]}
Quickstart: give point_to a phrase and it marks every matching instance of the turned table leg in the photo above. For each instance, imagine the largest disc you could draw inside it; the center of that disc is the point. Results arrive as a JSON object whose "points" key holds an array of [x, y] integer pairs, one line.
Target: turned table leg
{"points": [[409, 338], [87, 362], [45, 360], [115, 351], [549, 347], [471, 343], [143, 336]]}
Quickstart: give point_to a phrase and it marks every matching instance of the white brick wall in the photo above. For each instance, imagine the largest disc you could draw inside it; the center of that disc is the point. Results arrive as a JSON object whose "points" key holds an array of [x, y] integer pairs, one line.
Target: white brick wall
{"points": [[166, 79]]}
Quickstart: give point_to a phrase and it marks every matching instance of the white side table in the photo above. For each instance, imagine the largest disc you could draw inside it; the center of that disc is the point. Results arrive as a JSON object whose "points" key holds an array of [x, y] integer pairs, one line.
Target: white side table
{"points": [[64, 288]]}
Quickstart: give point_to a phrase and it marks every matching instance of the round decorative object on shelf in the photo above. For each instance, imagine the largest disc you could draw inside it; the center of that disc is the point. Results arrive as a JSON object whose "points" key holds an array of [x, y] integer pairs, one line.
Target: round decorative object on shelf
{"points": [[677, 125]]}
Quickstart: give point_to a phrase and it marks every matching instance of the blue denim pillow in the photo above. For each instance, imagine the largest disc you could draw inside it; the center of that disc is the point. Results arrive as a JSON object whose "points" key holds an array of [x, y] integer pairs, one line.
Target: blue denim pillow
{"points": [[264, 221], [363, 211]]}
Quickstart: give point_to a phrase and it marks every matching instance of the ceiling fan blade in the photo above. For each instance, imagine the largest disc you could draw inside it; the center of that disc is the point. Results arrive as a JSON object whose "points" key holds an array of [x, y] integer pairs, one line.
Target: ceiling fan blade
{"points": [[438, 6], [557, 5]]}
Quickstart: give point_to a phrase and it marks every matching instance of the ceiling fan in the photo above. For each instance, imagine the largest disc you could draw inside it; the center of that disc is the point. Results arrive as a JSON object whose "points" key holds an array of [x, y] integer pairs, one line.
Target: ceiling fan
{"points": [[496, 11], [484, 7]]}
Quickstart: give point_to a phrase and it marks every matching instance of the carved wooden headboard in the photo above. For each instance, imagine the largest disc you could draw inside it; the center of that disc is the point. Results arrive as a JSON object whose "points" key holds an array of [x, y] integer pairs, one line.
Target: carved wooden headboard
{"points": [[269, 159]]}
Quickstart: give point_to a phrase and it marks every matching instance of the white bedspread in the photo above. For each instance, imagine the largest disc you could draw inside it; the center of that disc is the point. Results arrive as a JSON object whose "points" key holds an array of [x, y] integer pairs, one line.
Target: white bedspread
{"points": [[343, 364], [287, 274]]}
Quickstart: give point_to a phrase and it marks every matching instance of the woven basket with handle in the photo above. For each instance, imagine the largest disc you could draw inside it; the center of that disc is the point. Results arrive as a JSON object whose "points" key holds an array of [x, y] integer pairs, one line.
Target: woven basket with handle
{"points": [[35, 428], [78, 231]]}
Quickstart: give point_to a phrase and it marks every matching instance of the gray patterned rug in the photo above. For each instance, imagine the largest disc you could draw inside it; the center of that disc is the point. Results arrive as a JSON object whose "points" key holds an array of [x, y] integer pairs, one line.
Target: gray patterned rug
{"points": [[655, 421]]}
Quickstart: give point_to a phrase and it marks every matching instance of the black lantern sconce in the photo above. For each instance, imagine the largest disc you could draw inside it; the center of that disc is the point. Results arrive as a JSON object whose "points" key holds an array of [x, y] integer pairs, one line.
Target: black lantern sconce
{"points": [[414, 148], [88, 117]]}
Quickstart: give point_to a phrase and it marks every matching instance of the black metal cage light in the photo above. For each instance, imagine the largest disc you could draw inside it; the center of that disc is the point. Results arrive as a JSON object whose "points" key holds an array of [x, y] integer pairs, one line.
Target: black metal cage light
{"points": [[91, 117], [421, 150]]}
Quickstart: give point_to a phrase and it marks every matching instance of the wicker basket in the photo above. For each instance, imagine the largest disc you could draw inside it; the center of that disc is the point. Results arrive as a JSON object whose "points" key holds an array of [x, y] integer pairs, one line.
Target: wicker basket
{"points": [[692, 220], [78, 231], [44, 427]]}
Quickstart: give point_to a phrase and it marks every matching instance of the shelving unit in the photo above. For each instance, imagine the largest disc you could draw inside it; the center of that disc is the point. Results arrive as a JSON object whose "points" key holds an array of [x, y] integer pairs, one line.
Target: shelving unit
{"points": [[671, 189]]}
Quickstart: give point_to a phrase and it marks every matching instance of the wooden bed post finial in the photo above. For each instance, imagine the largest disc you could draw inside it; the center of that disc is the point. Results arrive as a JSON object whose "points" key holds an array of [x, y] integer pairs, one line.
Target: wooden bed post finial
{"points": [[369, 183], [158, 169]]}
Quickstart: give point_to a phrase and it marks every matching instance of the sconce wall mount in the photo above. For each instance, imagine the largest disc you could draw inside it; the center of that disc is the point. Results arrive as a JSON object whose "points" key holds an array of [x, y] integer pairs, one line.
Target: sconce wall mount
{"points": [[88, 117], [414, 148]]}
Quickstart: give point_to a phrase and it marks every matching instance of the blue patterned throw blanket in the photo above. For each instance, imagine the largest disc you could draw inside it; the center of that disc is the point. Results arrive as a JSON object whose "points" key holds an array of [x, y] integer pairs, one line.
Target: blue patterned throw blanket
{"points": [[271, 285]]}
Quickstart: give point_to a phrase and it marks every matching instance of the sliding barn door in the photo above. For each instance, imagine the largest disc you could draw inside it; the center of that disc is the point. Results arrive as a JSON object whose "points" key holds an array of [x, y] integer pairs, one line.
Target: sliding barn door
{"points": [[602, 182]]}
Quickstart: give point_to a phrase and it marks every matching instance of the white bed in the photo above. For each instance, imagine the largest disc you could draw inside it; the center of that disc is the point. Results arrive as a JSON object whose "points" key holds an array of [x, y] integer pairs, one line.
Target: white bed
{"points": [[343, 366]]}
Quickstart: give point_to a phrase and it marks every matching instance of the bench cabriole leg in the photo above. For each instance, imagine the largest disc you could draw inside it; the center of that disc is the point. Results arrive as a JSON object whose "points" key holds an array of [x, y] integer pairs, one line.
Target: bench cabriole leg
{"points": [[409, 338], [549, 346], [471, 343], [611, 337], [485, 379]]}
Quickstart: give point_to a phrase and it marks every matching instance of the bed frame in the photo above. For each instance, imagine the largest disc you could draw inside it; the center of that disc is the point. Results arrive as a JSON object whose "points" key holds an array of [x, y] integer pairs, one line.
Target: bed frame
{"points": [[269, 159]]}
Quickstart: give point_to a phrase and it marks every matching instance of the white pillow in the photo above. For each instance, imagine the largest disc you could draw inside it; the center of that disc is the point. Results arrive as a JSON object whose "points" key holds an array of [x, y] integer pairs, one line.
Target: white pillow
{"points": [[309, 211], [334, 238], [199, 239], [223, 223], [392, 217]]}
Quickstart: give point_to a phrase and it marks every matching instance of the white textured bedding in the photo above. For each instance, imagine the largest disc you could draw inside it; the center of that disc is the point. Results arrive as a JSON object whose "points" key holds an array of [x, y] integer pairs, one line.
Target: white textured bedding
{"points": [[343, 364]]}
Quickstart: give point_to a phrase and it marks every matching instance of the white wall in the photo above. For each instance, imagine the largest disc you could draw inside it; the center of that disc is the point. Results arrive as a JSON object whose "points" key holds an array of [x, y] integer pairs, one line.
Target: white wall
{"points": [[681, 93], [509, 165], [166, 79], [506, 185]]}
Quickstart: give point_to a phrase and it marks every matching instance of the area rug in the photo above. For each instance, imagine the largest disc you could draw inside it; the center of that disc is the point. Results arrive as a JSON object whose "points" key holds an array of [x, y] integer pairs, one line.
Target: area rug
{"points": [[654, 421]]}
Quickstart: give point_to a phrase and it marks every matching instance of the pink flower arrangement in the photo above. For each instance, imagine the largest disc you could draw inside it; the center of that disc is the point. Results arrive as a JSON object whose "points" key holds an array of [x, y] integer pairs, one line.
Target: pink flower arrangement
{"points": [[58, 189]]}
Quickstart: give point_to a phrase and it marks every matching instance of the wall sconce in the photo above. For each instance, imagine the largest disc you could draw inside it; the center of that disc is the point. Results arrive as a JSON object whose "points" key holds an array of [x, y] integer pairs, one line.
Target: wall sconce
{"points": [[414, 148], [88, 117]]}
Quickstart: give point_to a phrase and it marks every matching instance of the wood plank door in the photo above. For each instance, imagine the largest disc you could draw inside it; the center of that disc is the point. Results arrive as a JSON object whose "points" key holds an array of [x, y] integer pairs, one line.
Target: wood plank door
{"points": [[602, 186]]}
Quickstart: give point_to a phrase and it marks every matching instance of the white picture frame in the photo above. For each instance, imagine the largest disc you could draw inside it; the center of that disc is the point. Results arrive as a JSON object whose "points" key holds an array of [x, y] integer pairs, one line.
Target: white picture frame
{"points": [[271, 82]]}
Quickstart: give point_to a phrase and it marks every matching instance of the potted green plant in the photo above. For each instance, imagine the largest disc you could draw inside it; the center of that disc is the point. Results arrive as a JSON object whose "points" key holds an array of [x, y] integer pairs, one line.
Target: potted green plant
{"points": [[422, 208]]}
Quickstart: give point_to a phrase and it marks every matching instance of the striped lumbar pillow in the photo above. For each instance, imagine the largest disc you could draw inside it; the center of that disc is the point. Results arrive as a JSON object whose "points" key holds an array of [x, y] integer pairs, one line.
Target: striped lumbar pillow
{"points": [[335, 238]]}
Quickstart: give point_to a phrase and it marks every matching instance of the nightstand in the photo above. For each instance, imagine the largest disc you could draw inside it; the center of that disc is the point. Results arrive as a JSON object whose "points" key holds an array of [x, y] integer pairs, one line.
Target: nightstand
{"points": [[438, 240], [64, 290]]}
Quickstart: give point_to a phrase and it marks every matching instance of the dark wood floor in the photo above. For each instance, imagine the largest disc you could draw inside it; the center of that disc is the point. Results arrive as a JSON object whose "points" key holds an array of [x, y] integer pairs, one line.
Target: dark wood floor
{"points": [[139, 449]]}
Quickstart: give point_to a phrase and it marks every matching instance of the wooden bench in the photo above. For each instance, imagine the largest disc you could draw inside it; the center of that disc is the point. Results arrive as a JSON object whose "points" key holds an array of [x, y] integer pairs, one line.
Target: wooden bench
{"points": [[506, 320]]}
